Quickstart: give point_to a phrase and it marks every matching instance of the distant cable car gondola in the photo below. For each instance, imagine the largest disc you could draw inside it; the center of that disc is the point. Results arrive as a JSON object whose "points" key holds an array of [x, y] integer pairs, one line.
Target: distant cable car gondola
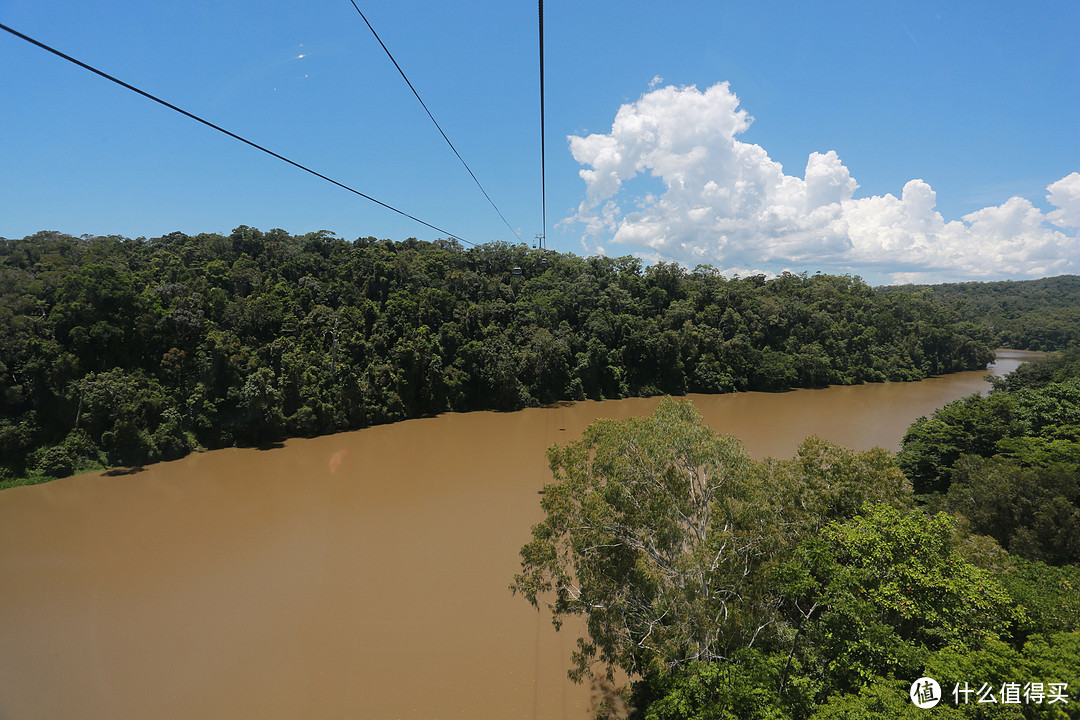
{"points": [[516, 271]]}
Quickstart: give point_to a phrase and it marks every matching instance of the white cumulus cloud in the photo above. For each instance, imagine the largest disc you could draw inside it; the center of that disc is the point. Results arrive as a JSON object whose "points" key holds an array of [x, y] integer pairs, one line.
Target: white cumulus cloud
{"points": [[1065, 195], [727, 203]]}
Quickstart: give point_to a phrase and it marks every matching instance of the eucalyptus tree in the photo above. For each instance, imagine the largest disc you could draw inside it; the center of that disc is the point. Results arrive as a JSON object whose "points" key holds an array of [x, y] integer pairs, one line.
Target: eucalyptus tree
{"points": [[655, 527]]}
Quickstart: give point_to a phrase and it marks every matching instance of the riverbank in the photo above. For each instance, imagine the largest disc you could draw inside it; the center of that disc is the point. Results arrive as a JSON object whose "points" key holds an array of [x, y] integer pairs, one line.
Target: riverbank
{"points": [[1006, 362], [357, 574], [119, 353]]}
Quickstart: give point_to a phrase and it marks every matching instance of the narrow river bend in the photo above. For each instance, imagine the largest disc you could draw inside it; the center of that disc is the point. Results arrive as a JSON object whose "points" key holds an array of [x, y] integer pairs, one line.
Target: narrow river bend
{"points": [[359, 575]]}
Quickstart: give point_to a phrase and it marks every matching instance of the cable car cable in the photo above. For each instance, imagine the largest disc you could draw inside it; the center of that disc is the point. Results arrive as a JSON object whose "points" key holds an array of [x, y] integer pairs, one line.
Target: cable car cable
{"points": [[543, 154], [233, 135], [439, 127]]}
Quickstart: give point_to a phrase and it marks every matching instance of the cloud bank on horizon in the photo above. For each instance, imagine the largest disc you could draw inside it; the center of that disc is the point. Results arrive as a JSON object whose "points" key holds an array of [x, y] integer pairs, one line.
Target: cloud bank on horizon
{"points": [[727, 204]]}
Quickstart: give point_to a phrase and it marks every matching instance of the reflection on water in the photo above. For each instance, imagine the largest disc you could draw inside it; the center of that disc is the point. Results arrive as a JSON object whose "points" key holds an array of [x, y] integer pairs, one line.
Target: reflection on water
{"points": [[356, 575]]}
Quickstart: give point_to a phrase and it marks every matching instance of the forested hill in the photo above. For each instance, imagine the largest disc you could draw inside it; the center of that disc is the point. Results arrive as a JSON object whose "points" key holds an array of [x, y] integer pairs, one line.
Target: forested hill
{"points": [[117, 351], [1039, 314]]}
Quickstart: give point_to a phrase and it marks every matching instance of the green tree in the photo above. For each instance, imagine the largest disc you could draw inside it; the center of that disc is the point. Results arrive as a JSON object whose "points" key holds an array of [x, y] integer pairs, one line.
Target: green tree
{"points": [[825, 482], [971, 425], [655, 527], [870, 604], [353, 333], [1033, 512], [872, 594], [743, 688]]}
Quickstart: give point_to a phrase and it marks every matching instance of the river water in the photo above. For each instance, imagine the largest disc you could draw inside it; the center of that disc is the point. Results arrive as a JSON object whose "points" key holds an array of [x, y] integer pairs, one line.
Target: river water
{"points": [[358, 575]]}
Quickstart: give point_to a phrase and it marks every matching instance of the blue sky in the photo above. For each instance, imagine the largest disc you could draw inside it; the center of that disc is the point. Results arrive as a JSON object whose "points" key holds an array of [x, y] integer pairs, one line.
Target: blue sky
{"points": [[898, 141]]}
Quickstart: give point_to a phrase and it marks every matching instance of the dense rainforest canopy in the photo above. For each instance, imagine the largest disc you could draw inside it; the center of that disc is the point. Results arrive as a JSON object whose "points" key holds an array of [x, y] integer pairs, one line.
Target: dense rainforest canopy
{"points": [[120, 351], [116, 351], [1041, 314], [816, 587], [1009, 462]]}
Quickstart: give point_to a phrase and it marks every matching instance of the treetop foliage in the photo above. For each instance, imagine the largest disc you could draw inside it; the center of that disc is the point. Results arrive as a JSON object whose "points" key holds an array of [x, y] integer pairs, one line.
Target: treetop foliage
{"points": [[659, 531], [116, 351], [1009, 462], [1041, 314], [814, 587]]}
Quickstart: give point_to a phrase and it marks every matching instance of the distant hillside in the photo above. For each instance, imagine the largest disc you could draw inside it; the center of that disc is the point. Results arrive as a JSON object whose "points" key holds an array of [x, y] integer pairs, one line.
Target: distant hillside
{"points": [[117, 351], [1039, 314]]}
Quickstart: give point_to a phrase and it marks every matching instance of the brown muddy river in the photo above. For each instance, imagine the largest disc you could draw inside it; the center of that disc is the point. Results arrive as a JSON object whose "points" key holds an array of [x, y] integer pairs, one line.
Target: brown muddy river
{"points": [[360, 575]]}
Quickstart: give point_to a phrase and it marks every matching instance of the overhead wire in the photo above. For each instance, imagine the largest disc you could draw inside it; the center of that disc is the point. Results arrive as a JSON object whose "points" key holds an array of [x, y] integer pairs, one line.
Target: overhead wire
{"points": [[437, 126], [543, 153], [233, 135]]}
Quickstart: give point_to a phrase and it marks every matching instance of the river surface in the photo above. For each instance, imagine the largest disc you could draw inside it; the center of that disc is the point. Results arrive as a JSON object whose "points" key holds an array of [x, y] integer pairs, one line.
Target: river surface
{"points": [[358, 575]]}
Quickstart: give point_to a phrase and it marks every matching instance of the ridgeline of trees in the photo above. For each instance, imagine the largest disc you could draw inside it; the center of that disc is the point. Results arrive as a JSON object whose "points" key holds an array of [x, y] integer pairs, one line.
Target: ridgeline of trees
{"points": [[813, 588], [1039, 314], [118, 352], [1009, 462]]}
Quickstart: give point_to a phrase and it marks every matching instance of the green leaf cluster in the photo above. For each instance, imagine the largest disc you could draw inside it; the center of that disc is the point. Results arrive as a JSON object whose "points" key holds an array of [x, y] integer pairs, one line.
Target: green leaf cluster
{"points": [[806, 588], [152, 347], [666, 537], [1038, 314], [1009, 462]]}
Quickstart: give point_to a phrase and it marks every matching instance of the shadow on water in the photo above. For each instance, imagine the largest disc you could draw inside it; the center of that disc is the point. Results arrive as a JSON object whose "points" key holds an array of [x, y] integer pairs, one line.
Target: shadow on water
{"points": [[606, 699], [117, 472]]}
